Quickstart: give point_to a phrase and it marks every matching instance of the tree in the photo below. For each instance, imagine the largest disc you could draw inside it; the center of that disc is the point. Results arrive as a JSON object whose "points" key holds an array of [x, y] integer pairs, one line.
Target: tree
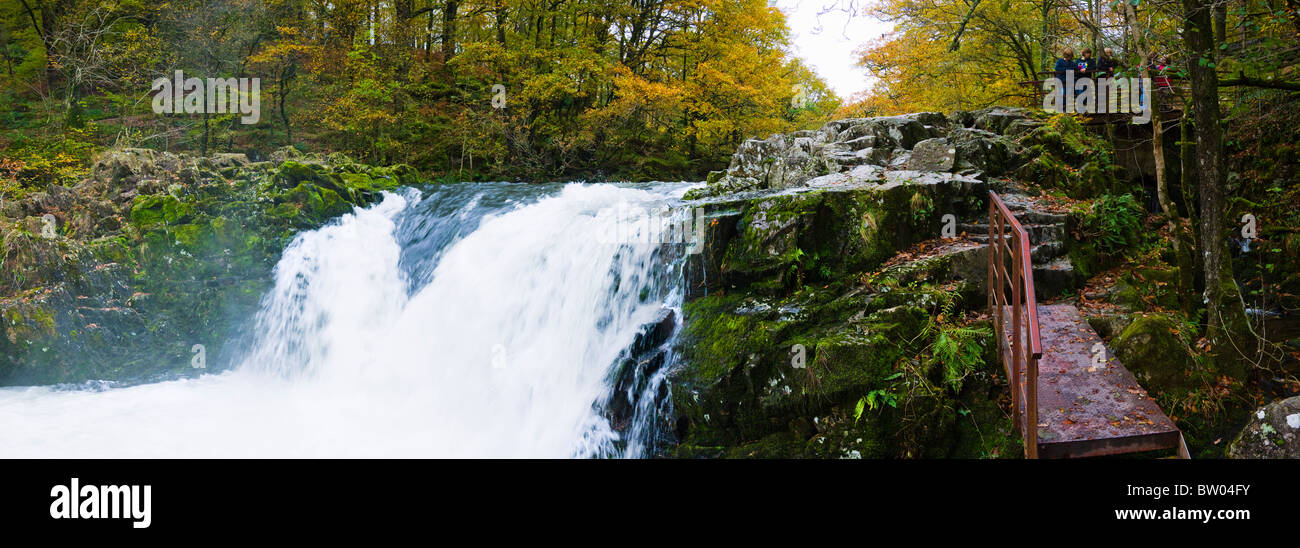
{"points": [[282, 59], [1224, 311]]}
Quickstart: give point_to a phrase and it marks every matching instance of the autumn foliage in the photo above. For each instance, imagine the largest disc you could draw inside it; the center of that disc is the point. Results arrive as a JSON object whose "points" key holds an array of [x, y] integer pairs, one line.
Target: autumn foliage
{"points": [[636, 89]]}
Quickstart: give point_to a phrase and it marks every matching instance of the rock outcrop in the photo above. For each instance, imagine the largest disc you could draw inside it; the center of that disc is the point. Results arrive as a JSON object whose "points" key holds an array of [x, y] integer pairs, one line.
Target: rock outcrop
{"points": [[837, 264], [812, 270], [1272, 433], [968, 144], [1158, 359], [120, 276]]}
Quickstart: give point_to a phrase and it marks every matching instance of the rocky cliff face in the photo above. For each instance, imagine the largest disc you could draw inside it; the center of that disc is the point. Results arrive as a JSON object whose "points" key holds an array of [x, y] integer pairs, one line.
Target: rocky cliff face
{"points": [[822, 309], [980, 143], [120, 276]]}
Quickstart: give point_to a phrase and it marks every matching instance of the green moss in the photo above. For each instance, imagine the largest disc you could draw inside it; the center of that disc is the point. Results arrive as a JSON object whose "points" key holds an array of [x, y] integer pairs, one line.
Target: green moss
{"points": [[1067, 156], [1048, 171], [30, 321], [769, 235], [291, 173], [744, 391], [1142, 288], [189, 236], [151, 210], [359, 181], [788, 240], [791, 272], [284, 211], [721, 338], [191, 263], [781, 445], [1155, 349], [111, 250], [399, 175], [858, 358]]}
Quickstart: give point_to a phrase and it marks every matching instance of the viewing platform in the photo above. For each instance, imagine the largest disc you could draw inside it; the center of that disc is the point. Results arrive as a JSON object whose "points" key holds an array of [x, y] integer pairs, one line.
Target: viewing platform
{"points": [[1171, 98]]}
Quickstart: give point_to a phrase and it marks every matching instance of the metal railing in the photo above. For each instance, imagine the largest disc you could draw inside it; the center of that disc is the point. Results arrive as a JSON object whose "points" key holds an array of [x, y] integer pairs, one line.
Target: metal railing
{"points": [[1020, 349], [1173, 92]]}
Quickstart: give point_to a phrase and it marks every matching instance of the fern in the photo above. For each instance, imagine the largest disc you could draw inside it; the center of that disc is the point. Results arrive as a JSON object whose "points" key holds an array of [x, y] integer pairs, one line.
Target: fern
{"points": [[1112, 223], [959, 349], [876, 398]]}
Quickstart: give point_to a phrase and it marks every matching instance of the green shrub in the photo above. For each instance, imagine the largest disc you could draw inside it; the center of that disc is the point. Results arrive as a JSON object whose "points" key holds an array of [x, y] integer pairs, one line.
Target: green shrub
{"points": [[1111, 224]]}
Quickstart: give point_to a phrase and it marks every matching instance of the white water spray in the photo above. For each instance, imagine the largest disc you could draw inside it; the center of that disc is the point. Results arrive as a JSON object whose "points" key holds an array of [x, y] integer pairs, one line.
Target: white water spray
{"points": [[505, 352]]}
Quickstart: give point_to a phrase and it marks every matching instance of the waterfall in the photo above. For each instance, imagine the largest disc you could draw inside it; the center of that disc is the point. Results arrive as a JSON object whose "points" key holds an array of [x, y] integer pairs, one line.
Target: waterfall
{"points": [[479, 320]]}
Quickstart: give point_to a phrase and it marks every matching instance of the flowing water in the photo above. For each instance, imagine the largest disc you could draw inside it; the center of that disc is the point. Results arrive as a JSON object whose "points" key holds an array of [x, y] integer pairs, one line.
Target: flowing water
{"points": [[474, 320]]}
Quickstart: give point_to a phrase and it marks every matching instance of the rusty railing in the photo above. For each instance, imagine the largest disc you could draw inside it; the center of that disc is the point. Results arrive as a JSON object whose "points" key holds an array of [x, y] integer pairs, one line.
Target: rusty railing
{"points": [[1021, 348]]}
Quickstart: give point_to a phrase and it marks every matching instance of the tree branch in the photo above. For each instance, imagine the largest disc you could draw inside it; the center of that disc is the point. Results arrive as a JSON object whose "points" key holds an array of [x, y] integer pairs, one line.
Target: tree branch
{"points": [[956, 38], [39, 32], [1243, 80]]}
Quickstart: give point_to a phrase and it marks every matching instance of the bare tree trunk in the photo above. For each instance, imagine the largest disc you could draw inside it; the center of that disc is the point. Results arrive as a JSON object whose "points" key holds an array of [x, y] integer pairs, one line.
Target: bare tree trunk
{"points": [[449, 29], [1189, 265], [1158, 153], [428, 34], [1046, 54], [5, 40], [51, 12], [500, 13], [1094, 7], [1224, 314], [1220, 21], [1157, 126], [284, 116]]}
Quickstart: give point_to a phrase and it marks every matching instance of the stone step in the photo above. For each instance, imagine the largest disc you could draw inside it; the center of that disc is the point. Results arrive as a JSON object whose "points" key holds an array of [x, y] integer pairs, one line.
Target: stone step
{"points": [[1054, 278], [1040, 253], [965, 260], [1046, 252], [1037, 233], [1030, 216], [1023, 208], [982, 227]]}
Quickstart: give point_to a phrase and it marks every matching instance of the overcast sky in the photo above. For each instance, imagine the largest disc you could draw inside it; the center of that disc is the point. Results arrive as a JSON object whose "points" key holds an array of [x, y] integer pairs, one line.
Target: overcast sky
{"points": [[827, 41]]}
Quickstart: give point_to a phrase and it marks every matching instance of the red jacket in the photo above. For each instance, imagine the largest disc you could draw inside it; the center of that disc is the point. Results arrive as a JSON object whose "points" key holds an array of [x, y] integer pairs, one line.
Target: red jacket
{"points": [[1160, 80]]}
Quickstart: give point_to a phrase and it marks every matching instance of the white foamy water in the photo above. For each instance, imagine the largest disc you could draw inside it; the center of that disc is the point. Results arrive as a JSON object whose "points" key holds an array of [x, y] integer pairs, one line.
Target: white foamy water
{"points": [[505, 352]]}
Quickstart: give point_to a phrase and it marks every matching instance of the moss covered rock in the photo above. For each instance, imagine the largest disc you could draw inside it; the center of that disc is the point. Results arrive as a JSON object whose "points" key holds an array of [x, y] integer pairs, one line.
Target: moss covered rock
{"points": [[1272, 433], [784, 240], [1064, 155], [782, 377], [155, 253], [1154, 349], [766, 402]]}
